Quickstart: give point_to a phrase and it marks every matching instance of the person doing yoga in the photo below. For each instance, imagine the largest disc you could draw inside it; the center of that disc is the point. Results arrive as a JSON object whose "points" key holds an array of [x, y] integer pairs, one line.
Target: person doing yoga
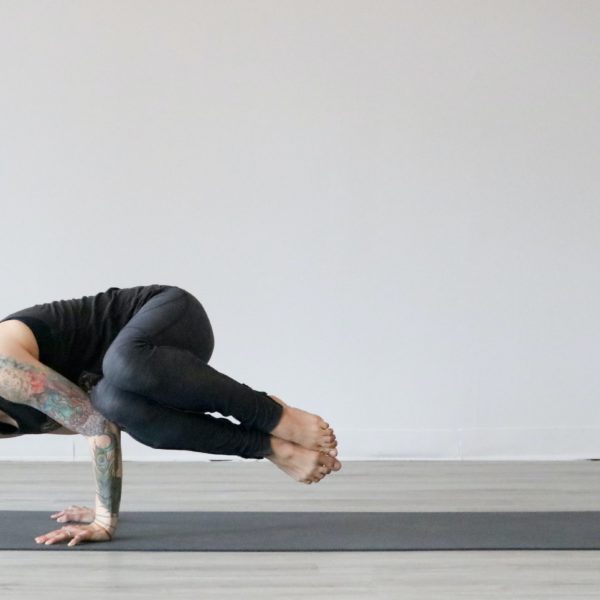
{"points": [[136, 360]]}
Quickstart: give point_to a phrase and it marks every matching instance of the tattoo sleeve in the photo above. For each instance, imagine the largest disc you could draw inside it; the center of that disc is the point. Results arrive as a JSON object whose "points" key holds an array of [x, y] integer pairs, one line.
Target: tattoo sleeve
{"points": [[40, 387], [108, 471]]}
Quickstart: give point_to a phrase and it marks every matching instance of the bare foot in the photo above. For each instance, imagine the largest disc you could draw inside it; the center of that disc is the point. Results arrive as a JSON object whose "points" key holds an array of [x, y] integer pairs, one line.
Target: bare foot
{"points": [[305, 429], [301, 464]]}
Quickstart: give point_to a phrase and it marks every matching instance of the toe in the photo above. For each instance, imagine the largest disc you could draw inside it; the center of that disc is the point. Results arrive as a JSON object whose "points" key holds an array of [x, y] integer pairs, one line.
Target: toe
{"points": [[327, 461], [320, 473], [327, 442]]}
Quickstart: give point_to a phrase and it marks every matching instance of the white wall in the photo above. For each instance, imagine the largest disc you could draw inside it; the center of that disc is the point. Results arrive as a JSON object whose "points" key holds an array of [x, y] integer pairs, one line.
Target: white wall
{"points": [[389, 209]]}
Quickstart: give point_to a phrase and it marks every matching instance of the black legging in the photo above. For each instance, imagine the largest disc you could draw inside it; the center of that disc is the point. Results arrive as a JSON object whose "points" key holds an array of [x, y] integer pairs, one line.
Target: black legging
{"points": [[157, 384]]}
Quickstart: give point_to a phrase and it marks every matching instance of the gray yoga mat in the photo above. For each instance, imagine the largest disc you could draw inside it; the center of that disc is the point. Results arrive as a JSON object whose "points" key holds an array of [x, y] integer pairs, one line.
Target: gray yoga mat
{"points": [[320, 531]]}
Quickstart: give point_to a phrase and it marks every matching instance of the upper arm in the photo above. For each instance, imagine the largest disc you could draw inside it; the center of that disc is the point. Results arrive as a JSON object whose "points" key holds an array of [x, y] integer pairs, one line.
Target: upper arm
{"points": [[25, 380]]}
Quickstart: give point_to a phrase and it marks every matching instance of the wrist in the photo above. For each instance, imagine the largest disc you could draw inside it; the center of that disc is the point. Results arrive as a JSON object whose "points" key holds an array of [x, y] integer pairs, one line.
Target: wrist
{"points": [[106, 520], [110, 528]]}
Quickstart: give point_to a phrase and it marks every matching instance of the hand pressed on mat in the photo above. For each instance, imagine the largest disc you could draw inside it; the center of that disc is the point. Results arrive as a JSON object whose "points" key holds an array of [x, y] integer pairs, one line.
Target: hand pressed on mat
{"points": [[81, 514], [76, 533], [25, 380]]}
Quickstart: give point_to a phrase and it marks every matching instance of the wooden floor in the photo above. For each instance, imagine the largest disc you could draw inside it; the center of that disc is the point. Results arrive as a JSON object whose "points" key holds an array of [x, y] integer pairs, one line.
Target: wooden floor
{"points": [[258, 485]]}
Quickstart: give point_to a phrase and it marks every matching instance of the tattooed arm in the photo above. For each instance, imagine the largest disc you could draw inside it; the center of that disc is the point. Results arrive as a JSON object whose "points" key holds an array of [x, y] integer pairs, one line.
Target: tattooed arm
{"points": [[24, 380], [108, 470]]}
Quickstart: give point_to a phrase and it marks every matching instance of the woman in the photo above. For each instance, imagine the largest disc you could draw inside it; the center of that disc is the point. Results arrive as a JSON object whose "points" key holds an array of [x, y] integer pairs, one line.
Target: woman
{"points": [[136, 359]]}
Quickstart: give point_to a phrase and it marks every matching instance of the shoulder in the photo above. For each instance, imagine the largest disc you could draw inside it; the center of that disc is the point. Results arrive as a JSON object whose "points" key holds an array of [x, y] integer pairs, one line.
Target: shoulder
{"points": [[17, 337]]}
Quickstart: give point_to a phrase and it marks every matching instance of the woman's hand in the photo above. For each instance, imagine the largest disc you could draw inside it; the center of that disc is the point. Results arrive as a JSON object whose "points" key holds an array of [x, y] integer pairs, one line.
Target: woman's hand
{"points": [[82, 514], [76, 533]]}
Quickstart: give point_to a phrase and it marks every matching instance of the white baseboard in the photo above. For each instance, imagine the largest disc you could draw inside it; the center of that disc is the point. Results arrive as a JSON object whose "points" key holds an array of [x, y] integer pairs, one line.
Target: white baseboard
{"points": [[496, 443], [548, 443]]}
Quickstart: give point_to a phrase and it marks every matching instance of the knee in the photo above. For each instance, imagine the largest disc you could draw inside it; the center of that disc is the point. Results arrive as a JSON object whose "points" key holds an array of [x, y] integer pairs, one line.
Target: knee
{"points": [[203, 336], [207, 345], [138, 419]]}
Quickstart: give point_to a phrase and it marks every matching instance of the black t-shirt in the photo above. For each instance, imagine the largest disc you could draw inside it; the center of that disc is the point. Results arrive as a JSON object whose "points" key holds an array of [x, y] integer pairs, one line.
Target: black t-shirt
{"points": [[73, 337]]}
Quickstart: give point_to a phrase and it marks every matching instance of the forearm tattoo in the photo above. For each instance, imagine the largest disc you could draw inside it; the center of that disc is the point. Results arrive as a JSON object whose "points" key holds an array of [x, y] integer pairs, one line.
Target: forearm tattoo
{"points": [[108, 471]]}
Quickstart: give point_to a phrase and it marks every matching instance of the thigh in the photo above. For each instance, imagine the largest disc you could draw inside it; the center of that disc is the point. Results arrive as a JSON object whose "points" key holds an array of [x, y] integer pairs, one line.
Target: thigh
{"points": [[128, 410]]}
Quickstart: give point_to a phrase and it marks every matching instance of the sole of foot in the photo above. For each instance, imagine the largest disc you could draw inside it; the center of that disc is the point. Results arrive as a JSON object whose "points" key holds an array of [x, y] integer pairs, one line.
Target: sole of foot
{"points": [[305, 429], [303, 465]]}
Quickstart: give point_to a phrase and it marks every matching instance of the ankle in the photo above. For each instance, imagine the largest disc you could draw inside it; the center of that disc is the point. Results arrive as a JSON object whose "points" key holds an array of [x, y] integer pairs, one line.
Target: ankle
{"points": [[281, 420], [280, 448]]}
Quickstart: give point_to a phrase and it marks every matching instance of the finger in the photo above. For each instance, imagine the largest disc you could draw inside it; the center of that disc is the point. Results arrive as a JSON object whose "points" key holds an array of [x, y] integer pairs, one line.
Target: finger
{"points": [[72, 514], [42, 539], [71, 534], [67, 516], [45, 537], [55, 536], [63, 512], [69, 508], [78, 538]]}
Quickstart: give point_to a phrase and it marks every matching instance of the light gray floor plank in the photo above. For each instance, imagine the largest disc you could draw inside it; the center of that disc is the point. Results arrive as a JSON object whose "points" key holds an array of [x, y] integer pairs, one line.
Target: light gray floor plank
{"points": [[266, 575], [361, 485], [258, 485]]}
